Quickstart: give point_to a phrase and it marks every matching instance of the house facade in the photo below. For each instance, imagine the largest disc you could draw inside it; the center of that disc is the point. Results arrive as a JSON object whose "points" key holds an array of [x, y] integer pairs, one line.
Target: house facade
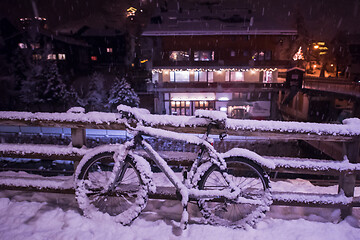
{"points": [[216, 57]]}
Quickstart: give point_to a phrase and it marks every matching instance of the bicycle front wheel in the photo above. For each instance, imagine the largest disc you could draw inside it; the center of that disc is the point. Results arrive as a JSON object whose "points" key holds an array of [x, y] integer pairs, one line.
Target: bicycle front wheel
{"points": [[254, 185], [103, 191]]}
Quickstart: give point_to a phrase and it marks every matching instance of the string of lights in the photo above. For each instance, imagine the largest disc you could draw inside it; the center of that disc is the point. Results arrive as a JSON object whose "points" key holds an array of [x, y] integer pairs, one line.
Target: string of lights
{"points": [[215, 70]]}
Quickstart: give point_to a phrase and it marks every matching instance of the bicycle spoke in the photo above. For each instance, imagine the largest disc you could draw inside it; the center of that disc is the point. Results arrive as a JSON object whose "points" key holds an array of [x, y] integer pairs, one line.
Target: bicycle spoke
{"points": [[228, 211], [124, 197]]}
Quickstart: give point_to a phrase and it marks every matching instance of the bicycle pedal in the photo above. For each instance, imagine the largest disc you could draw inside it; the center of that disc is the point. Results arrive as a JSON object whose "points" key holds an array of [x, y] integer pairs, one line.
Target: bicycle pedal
{"points": [[185, 175]]}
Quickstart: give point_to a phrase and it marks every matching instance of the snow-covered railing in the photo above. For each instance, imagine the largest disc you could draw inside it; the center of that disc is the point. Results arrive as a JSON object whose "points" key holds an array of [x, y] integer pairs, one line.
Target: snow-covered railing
{"points": [[266, 129], [347, 133]]}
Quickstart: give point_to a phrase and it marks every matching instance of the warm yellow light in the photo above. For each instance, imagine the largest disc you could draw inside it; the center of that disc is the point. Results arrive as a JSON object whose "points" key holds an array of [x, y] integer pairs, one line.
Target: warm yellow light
{"points": [[316, 46], [332, 65], [131, 9], [314, 66]]}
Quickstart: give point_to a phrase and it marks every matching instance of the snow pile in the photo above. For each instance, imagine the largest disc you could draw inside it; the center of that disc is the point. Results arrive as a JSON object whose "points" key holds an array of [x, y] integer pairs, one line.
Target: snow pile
{"points": [[295, 127], [242, 152], [70, 117], [23, 179], [76, 110], [313, 164], [351, 121], [45, 149]]}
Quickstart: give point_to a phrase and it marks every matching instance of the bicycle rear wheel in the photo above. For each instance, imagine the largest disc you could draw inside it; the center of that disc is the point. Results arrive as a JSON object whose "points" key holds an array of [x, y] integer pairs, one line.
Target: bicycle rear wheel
{"points": [[103, 191], [254, 185]]}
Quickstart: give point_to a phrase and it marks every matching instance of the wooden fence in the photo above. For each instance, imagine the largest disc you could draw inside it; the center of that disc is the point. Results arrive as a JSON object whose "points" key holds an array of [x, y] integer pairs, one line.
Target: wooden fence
{"points": [[346, 136]]}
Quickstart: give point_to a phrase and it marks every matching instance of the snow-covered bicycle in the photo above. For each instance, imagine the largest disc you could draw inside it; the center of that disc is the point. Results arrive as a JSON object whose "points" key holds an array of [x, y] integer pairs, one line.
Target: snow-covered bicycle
{"points": [[231, 189]]}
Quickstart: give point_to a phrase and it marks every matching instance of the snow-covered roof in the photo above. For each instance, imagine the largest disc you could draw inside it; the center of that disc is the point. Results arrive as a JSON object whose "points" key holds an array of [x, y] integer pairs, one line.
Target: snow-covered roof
{"points": [[296, 68], [63, 38], [225, 18], [103, 32]]}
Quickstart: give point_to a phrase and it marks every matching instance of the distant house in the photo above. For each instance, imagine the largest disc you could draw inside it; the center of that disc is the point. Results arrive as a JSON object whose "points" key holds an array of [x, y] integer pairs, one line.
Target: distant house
{"points": [[69, 53], [218, 56], [108, 46]]}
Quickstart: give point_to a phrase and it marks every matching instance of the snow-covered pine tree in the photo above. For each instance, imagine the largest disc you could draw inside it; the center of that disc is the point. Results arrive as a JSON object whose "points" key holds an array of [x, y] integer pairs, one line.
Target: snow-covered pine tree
{"points": [[42, 86], [54, 91], [29, 78], [122, 93], [95, 97]]}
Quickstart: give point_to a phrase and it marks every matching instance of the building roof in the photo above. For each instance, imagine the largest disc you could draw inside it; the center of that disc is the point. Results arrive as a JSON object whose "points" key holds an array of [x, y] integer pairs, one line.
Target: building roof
{"points": [[296, 68], [66, 39], [213, 18], [86, 31]]}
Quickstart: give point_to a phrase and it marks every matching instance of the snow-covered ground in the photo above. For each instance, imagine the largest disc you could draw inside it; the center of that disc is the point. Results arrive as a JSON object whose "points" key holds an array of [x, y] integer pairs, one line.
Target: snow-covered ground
{"points": [[29, 215], [25, 215]]}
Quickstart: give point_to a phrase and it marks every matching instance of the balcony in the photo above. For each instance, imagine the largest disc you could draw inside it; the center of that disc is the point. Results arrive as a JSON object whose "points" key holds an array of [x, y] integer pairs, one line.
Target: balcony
{"points": [[245, 63], [214, 86]]}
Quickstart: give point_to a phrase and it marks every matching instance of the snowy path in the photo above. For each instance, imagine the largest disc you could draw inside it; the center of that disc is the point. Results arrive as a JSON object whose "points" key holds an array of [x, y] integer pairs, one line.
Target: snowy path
{"points": [[25, 215]]}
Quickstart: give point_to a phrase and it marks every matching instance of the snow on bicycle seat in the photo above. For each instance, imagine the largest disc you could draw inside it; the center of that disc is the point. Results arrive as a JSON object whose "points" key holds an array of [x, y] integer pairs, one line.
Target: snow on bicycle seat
{"points": [[211, 114], [129, 112]]}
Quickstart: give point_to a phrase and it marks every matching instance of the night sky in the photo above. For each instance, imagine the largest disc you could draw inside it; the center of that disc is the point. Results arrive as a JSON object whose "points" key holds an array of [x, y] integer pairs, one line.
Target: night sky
{"points": [[323, 18]]}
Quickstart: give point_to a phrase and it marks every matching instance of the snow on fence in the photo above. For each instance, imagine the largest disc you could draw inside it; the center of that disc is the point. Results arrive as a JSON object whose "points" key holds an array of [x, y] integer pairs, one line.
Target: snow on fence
{"points": [[348, 134]]}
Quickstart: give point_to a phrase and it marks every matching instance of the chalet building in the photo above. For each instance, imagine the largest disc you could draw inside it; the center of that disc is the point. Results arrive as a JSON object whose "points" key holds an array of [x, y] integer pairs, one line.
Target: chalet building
{"points": [[218, 57]]}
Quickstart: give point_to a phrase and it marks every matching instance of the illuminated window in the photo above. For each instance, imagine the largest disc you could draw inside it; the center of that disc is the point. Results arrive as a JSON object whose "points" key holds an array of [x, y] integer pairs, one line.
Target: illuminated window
{"points": [[51, 56], [204, 56], [155, 77], [180, 108], [207, 105], [179, 76], [93, 58], [179, 56], [109, 50], [267, 76], [36, 57], [210, 76], [239, 96], [232, 53], [261, 56], [236, 76], [35, 45], [200, 76], [61, 56], [22, 45]]}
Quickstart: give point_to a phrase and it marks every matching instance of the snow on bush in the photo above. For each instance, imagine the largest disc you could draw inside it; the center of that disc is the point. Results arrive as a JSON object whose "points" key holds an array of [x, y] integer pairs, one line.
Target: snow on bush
{"points": [[122, 93]]}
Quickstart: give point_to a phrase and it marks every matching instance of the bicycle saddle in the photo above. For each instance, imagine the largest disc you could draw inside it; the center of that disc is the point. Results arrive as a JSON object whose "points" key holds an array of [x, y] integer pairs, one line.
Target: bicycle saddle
{"points": [[132, 112], [218, 117], [211, 114]]}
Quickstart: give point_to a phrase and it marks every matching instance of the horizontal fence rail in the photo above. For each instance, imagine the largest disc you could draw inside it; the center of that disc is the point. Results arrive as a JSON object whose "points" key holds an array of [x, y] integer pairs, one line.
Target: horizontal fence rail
{"points": [[346, 168]]}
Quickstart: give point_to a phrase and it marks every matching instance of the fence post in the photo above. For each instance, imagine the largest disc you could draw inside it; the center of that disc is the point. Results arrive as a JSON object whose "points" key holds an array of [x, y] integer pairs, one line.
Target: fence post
{"points": [[78, 139], [347, 180]]}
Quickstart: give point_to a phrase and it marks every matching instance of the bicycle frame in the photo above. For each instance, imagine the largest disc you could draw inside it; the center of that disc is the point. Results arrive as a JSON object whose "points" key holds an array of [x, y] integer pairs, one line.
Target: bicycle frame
{"points": [[187, 189]]}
